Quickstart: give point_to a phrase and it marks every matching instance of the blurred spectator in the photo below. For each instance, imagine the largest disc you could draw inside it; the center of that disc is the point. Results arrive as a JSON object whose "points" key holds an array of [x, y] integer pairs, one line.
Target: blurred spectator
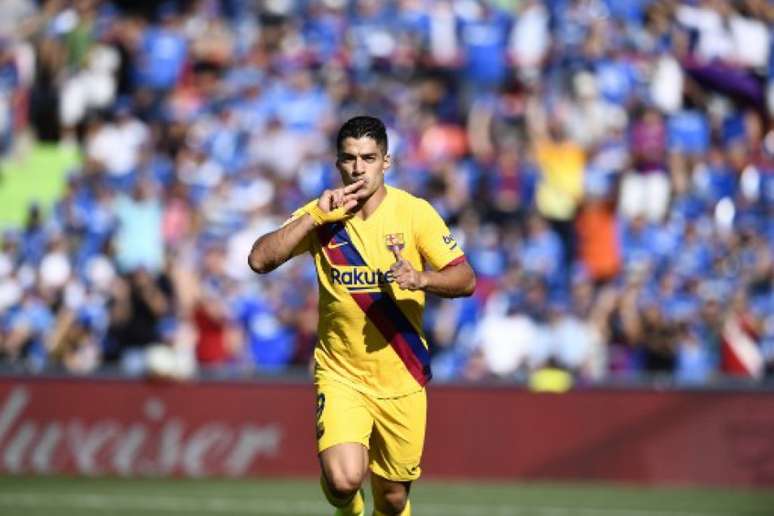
{"points": [[94, 85], [443, 40], [73, 345], [116, 145], [530, 38], [599, 248], [560, 188], [218, 341], [9, 82], [139, 239], [541, 254], [270, 338], [161, 53], [484, 39], [26, 326], [137, 304], [645, 190]]}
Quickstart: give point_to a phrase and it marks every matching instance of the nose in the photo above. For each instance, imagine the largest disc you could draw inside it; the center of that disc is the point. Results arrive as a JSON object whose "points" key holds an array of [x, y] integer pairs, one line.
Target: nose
{"points": [[359, 167]]}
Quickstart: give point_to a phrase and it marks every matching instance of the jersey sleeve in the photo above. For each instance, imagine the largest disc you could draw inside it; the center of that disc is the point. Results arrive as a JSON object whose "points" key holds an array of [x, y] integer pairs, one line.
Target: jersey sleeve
{"points": [[434, 240], [305, 245]]}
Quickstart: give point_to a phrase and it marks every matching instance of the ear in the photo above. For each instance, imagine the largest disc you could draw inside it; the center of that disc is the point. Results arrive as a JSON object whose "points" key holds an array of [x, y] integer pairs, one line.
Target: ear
{"points": [[387, 162]]}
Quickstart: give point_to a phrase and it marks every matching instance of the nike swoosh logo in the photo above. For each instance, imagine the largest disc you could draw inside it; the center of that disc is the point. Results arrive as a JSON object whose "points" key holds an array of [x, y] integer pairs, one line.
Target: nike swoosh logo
{"points": [[335, 246]]}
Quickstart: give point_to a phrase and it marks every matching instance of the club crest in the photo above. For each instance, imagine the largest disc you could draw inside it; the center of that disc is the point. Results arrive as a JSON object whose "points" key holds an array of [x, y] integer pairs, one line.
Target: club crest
{"points": [[394, 241]]}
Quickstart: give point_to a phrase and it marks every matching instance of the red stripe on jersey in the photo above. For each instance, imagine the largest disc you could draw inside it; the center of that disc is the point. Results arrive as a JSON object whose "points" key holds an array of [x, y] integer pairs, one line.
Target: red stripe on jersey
{"points": [[458, 260], [397, 341], [336, 256]]}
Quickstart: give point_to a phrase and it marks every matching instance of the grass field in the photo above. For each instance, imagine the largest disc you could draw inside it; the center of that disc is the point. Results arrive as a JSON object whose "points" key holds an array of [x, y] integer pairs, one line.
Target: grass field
{"points": [[35, 496]]}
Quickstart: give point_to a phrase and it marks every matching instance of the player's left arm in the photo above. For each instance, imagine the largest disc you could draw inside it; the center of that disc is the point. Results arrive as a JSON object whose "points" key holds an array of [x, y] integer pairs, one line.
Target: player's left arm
{"points": [[452, 275], [455, 280]]}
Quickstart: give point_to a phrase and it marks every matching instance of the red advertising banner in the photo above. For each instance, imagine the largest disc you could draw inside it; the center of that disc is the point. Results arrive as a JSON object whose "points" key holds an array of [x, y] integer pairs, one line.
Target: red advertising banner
{"points": [[137, 428], [651, 437], [98, 427]]}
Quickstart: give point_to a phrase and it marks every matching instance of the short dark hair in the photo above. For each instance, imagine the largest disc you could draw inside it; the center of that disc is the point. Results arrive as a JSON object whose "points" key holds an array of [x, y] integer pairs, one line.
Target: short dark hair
{"points": [[363, 126]]}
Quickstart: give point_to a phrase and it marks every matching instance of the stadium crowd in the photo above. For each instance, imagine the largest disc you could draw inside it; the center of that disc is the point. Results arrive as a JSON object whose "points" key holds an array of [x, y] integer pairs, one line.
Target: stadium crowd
{"points": [[607, 166]]}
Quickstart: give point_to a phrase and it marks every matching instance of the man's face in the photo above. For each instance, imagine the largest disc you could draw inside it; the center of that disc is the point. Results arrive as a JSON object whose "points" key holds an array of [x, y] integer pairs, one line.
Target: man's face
{"points": [[362, 158]]}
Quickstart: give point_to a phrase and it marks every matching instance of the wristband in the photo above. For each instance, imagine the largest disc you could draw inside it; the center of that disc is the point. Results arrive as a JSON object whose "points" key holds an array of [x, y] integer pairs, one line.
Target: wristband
{"points": [[321, 217]]}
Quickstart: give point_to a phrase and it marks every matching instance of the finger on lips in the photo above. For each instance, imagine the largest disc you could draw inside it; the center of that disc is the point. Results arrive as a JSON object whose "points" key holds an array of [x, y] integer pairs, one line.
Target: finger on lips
{"points": [[353, 186]]}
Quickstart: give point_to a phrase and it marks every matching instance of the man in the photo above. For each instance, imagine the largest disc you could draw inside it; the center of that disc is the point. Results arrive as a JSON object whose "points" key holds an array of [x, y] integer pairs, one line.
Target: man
{"points": [[368, 241]]}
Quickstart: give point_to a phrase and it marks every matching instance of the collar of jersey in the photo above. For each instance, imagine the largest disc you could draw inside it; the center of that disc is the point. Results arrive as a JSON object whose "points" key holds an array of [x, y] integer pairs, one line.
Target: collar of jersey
{"points": [[373, 216]]}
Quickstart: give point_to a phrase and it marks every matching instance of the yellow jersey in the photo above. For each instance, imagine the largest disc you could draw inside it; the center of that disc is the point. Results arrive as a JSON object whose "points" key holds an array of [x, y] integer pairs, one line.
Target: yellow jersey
{"points": [[370, 330]]}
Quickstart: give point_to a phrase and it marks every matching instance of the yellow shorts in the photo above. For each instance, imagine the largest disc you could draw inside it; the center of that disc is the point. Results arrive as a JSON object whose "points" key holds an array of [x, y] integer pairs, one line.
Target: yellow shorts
{"points": [[393, 429]]}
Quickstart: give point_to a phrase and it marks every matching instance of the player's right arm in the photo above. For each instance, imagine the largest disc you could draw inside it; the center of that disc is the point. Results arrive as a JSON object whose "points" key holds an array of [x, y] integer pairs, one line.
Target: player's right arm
{"points": [[276, 247]]}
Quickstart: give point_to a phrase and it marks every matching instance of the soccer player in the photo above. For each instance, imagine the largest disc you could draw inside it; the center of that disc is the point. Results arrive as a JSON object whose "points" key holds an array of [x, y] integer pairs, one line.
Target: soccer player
{"points": [[369, 242]]}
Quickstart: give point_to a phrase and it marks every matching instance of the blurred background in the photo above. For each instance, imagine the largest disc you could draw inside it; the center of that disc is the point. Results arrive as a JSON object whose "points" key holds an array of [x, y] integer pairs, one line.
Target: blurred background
{"points": [[607, 166]]}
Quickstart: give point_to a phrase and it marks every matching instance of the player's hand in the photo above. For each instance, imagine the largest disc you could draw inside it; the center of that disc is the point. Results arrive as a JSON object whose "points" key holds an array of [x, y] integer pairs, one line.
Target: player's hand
{"points": [[406, 276], [337, 204]]}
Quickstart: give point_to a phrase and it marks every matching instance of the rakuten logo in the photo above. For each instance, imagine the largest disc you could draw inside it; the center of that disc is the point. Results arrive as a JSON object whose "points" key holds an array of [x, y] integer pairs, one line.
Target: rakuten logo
{"points": [[360, 277]]}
